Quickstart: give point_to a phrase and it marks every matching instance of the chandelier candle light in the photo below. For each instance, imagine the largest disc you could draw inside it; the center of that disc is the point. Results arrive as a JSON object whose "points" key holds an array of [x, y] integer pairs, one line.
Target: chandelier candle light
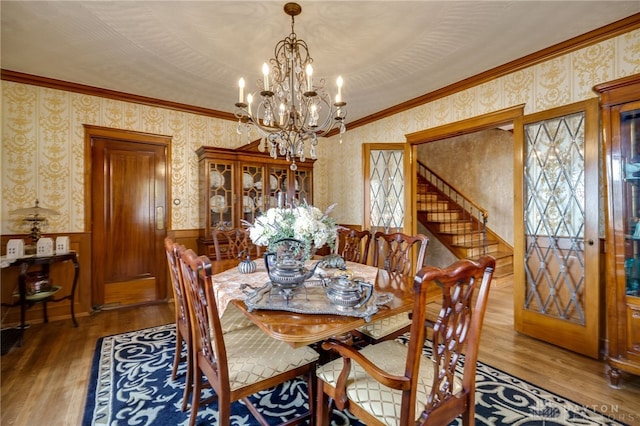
{"points": [[291, 109]]}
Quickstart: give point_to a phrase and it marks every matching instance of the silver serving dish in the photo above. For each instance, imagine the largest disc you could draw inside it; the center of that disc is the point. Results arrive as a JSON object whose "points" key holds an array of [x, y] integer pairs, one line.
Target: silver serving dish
{"points": [[286, 266], [346, 293], [309, 298]]}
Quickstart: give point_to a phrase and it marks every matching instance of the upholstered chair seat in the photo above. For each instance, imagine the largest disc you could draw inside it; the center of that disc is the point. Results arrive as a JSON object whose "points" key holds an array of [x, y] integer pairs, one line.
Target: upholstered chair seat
{"points": [[253, 356]]}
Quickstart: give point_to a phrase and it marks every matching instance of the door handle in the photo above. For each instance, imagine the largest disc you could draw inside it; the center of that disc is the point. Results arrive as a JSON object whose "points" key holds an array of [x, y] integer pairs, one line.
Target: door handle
{"points": [[159, 218]]}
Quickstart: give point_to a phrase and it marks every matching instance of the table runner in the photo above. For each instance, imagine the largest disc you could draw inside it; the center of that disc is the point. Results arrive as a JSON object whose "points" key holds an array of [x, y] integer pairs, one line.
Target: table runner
{"points": [[227, 285]]}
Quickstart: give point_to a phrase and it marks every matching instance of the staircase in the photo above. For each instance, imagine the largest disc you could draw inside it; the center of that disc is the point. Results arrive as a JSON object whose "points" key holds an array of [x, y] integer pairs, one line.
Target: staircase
{"points": [[459, 224]]}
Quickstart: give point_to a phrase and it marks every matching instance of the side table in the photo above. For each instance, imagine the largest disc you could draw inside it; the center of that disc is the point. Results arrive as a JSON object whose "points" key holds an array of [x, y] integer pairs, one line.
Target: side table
{"points": [[25, 300]]}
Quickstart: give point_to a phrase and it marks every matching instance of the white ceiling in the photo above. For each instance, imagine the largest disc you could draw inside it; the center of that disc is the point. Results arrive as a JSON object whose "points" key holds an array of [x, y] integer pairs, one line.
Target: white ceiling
{"points": [[193, 52]]}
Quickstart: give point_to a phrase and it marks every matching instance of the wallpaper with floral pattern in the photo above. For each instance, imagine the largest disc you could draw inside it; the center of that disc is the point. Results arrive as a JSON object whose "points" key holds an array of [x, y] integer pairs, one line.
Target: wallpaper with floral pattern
{"points": [[43, 147]]}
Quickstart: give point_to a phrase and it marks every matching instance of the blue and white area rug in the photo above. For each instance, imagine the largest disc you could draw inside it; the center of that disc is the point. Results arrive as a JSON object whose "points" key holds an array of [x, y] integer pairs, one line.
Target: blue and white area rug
{"points": [[131, 385]]}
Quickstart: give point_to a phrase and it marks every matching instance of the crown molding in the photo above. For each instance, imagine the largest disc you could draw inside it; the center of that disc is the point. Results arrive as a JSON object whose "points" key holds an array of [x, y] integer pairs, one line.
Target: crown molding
{"points": [[18, 77], [596, 36]]}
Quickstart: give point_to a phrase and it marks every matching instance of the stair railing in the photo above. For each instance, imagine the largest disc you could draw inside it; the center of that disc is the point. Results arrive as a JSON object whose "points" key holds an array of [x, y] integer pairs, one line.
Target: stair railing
{"points": [[468, 220]]}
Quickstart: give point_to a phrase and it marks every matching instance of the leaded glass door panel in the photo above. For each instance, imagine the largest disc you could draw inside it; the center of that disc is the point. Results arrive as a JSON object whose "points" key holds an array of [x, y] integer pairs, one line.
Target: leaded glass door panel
{"points": [[385, 187], [558, 300]]}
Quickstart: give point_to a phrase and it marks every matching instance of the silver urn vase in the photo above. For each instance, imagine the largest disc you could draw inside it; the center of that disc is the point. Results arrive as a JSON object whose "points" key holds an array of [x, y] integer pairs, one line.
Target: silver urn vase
{"points": [[247, 266]]}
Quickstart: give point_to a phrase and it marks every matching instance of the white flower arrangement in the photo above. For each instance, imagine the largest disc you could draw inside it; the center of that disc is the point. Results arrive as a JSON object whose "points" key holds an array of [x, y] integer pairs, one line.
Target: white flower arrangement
{"points": [[302, 222]]}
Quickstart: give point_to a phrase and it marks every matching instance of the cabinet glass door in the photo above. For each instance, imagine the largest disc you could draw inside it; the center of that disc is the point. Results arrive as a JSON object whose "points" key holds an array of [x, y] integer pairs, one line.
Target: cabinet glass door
{"points": [[277, 186], [302, 185], [221, 195], [252, 191], [630, 151]]}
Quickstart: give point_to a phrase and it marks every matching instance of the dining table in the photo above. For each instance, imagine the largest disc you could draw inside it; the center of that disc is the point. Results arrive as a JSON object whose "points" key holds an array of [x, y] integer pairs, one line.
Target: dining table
{"points": [[391, 295]]}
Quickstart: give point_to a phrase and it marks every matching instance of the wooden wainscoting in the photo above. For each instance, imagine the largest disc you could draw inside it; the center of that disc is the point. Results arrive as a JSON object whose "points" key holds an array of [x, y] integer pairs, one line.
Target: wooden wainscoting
{"points": [[62, 274]]}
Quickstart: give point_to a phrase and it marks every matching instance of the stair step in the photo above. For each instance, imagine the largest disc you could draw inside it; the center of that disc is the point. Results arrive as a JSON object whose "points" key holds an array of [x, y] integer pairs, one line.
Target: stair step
{"points": [[502, 281], [425, 188], [502, 271], [454, 227], [430, 206], [503, 258], [475, 251], [441, 215], [446, 216], [427, 197], [465, 238]]}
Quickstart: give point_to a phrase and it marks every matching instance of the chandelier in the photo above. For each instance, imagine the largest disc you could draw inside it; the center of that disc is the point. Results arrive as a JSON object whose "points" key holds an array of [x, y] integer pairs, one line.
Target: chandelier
{"points": [[292, 109]]}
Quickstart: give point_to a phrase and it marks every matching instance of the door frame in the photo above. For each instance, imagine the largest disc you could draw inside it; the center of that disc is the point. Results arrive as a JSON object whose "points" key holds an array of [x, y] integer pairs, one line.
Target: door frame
{"points": [[508, 116], [90, 132]]}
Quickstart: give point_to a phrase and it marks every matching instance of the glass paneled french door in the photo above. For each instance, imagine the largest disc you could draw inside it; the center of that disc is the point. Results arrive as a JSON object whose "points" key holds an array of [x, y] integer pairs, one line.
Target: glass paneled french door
{"points": [[557, 297], [386, 203]]}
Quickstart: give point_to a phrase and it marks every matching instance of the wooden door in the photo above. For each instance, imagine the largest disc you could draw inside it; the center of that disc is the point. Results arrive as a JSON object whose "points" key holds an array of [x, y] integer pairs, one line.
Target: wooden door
{"points": [[128, 215], [556, 274]]}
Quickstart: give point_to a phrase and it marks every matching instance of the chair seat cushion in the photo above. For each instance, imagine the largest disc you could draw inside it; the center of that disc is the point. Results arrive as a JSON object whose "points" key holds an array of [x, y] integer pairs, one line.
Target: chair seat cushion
{"points": [[386, 326], [253, 356], [233, 319], [375, 398]]}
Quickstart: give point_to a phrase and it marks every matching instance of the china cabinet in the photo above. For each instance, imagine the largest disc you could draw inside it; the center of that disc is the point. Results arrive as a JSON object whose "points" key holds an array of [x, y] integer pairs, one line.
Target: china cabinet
{"points": [[620, 105], [241, 184]]}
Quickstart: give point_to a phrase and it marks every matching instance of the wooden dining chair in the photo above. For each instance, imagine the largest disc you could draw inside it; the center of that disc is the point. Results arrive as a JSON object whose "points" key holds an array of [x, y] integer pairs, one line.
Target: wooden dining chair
{"points": [[391, 383], [353, 244], [183, 324], [234, 243], [238, 363], [393, 253]]}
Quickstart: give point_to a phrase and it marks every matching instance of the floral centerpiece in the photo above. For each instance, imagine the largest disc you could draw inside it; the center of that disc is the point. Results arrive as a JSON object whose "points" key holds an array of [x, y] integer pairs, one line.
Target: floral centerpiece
{"points": [[302, 222]]}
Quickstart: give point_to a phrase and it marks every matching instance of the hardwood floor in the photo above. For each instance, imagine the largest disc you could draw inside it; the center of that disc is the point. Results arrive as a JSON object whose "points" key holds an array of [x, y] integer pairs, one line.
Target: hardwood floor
{"points": [[45, 381], [583, 380]]}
